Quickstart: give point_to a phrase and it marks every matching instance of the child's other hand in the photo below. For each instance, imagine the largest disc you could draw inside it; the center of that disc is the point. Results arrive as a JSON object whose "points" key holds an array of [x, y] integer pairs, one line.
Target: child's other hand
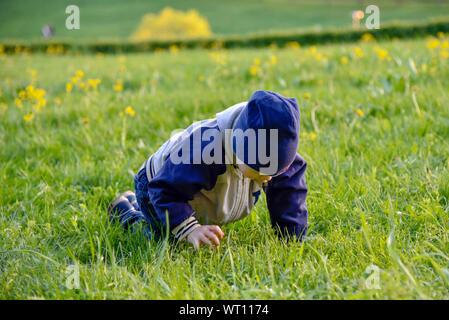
{"points": [[205, 235]]}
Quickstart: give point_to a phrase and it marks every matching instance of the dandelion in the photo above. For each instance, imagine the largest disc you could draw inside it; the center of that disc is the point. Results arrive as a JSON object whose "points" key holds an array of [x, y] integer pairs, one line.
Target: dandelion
{"points": [[68, 87], [18, 103], [358, 52], [254, 70], [445, 45], [344, 60], [360, 112], [28, 117], [444, 54], [130, 111], [85, 120], [432, 44], [79, 73], [381, 53], [122, 68], [307, 95], [93, 83], [22, 94], [173, 48], [273, 60], [118, 85], [256, 61], [75, 80]]}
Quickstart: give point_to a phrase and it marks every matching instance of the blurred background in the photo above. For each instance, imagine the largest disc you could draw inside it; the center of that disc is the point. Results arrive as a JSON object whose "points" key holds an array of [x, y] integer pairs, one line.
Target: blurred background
{"points": [[119, 20]]}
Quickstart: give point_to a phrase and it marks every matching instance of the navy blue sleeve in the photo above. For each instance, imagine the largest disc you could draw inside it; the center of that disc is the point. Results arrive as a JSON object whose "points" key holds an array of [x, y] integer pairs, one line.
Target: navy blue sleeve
{"points": [[286, 200], [176, 184]]}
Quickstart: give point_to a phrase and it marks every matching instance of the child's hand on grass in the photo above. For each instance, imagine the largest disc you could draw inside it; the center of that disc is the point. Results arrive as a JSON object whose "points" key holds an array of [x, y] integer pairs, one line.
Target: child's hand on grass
{"points": [[205, 235]]}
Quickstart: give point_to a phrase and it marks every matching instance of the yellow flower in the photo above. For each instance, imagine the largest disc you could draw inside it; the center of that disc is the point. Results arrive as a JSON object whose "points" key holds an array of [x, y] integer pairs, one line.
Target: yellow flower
{"points": [[256, 61], [68, 87], [273, 60], [432, 44], [254, 69], [201, 78], [445, 45], [122, 59], [440, 34], [360, 112], [18, 103], [79, 73], [344, 60], [58, 101], [22, 94], [444, 54], [381, 53], [28, 117], [75, 80], [358, 52], [122, 68], [415, 88], [307, 95], [174, 48], [93, 82], [118, 86], [130, 111], [3, 106], [85, 120]]}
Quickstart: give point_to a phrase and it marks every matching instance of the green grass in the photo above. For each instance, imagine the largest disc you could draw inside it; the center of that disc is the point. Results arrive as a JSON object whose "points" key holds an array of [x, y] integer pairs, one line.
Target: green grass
{"points": [[100, 19], [378, 182]]}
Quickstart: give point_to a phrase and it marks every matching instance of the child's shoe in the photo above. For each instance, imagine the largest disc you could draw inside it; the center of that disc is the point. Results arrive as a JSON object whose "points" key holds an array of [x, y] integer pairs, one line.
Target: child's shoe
{"points": [[131, 196], [119, 208]]}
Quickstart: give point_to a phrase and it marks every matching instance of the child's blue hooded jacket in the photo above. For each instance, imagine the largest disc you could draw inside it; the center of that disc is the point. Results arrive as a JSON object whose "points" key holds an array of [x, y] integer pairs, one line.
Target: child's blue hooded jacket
{"points": [[200, 192]]}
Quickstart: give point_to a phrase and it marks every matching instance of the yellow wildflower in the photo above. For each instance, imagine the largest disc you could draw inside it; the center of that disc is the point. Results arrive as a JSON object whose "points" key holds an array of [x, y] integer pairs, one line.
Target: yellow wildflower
{"points": [[415, 88], [85, 120], [174, 48], [444, 54], [79, 73], [358, 52], [273, 60], [118, 86], [256, 61], [122, 59], [28, 117], [432, 44], [307, 95], [68, 87], [18, 103], [344, 60], [445, 45], [130, 111], [3, 106], [93, 82], [381, 53], [22, 94], [254, 69], [360, 112]]}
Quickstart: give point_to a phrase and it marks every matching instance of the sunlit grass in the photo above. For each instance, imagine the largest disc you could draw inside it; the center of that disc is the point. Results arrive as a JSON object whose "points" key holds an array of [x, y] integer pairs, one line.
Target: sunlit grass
{"points": [[374, 131]]}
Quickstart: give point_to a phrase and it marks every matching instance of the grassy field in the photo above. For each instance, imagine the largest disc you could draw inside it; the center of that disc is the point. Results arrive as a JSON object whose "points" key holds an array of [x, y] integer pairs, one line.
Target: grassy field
{"points": [[100, 19], [374, 130]]}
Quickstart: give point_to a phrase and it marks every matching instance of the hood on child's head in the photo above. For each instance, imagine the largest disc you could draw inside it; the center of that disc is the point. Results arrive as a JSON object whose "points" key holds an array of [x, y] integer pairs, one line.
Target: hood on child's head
{"points": [[274, 121]]}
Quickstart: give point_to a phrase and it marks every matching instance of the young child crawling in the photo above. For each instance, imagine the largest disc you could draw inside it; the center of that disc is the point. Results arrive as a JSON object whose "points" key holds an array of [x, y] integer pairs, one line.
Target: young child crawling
{"points": [[212, 174]]}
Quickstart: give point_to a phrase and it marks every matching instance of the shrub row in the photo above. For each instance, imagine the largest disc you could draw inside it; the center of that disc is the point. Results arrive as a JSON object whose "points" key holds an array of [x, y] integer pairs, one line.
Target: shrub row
{"points": [[280, 39]]}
